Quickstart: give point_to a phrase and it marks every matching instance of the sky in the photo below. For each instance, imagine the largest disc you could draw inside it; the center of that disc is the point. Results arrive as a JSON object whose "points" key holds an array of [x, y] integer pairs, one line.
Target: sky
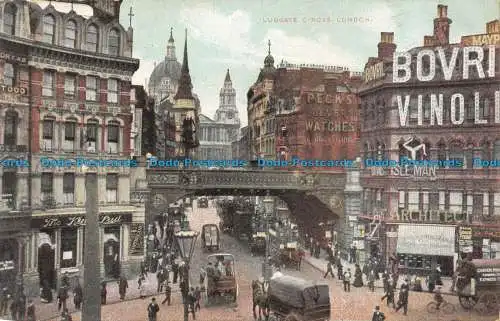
{"points": [[233, 34]]}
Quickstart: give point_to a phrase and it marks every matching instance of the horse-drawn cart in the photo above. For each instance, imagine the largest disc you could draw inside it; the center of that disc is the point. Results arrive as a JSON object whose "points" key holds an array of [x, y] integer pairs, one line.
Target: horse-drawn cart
{"points": [[210, 240], [221, 278], [291, 256], [303, 299], [478, 286], [258, 244]]}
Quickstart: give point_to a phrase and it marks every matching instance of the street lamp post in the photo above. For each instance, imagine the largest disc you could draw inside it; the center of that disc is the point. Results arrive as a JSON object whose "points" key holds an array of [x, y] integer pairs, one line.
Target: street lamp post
{"points": [[186, 241], [91, 310], [268, 211]]}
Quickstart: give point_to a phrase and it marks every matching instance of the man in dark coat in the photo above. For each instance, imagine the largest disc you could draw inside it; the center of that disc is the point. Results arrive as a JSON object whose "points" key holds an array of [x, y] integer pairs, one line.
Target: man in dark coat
{"points": [[378, 315], [104, 293], [62, 296], [389, 295], [160, 277], [403, 300], [78, 295], [329, 270], [122, 287], [168, 293], [347, 280], [153, 309], [175, 270]]}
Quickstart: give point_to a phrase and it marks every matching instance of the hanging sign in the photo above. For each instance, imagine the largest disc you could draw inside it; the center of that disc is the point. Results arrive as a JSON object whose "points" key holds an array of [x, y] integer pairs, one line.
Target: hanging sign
{"points": [[136, 239]]}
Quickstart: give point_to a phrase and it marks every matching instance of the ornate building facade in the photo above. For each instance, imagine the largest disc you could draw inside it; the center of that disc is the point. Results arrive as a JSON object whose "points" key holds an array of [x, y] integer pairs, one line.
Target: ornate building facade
{"points": [[163, 85], [77, 72], [216, 135], [402, 201]]}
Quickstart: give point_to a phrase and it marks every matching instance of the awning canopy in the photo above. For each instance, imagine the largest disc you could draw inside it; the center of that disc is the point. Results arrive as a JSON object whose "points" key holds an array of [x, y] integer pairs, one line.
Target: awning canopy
{"points": [[426, 239]]}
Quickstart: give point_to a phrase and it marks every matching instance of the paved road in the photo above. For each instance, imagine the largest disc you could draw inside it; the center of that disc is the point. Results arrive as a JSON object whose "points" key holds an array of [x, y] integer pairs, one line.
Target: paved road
{"points": [[356, 305]]}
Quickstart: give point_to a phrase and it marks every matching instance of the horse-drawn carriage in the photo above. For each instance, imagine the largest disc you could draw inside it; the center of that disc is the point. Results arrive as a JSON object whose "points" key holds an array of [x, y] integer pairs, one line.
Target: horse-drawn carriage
{"points": [[221, 277], [258, 243], [291, 256], [478, 285], [210, 240], [291, 296]]}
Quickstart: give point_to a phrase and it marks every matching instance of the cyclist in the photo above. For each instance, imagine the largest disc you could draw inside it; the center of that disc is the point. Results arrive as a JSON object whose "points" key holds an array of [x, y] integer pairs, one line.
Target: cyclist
{"points": [[438, 297]]}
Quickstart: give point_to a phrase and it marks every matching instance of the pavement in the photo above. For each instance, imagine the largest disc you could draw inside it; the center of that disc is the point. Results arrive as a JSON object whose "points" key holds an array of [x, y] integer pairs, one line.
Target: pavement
{"points": [[321, 263]]}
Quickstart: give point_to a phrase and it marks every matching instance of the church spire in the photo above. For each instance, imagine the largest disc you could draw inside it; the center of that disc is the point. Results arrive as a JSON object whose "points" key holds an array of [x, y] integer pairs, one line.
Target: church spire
{"points": [[185, 85], [228, 77], [171, 47]]}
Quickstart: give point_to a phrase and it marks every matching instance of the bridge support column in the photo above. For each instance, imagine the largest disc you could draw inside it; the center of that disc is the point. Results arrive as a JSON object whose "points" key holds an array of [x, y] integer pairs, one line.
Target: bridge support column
{"points": [[353, 193]]}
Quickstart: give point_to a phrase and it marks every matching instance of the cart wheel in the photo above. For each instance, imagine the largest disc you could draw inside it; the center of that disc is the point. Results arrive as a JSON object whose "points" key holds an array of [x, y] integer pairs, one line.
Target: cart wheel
{"points": [[467, 302], [490, 302], [432, 307]]}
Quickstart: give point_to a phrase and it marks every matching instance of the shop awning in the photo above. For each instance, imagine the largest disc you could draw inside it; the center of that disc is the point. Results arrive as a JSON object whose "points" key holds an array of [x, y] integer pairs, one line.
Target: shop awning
{"points": [[425, 239]]}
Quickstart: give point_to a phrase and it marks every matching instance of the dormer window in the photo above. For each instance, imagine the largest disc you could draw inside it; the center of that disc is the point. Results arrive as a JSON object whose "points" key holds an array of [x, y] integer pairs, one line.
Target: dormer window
{"points": [[9, 19], [49, 29], [114, 42], [92, 38]]}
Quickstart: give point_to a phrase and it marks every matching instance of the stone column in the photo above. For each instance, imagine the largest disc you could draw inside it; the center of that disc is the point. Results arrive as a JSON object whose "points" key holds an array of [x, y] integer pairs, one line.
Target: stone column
{"points": [[353, 193]]}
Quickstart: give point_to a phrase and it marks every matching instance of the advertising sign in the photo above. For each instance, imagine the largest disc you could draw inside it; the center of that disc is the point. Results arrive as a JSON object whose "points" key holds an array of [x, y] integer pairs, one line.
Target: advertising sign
{"points": [[481, 40], [426, 240], [136, 239], [77, 220]]}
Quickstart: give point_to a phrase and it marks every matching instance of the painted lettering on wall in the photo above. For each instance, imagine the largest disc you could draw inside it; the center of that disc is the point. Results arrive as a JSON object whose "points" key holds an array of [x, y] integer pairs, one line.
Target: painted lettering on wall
{"points": [[430, 216], [374, 72], [78, 220], [12, 57], [330, 99], [492, 39], [329, 126], [476, 62]]}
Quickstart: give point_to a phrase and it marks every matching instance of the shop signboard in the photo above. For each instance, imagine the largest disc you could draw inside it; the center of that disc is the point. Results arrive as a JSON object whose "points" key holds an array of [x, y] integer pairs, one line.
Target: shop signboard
{"points": [[484, 232], [77, 220], [489, 274], [136, 239], [422, 239]]}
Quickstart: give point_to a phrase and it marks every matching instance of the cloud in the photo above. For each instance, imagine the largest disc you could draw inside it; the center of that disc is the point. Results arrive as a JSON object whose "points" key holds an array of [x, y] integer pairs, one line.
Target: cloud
{"points": [[142, 74]]}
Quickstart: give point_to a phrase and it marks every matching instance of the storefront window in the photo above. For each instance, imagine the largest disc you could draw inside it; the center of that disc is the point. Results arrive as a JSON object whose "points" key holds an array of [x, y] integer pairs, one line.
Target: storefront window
{"points": [[111, 254], [69, 247]]}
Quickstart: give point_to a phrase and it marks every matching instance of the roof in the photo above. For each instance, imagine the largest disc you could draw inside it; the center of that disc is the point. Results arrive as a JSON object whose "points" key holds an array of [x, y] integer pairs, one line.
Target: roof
{"points": [[167, 68], [298, 292], [205, 119]]}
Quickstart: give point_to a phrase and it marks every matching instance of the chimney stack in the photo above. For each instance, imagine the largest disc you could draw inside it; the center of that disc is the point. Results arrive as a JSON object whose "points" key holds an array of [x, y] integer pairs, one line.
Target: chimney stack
{"points": [[442, 26], [386, 46]]}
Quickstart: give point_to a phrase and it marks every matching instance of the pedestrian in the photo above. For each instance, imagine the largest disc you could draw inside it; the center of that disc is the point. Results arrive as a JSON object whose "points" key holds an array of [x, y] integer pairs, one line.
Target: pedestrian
{"points": [[358, 277], [65, 280], [175, 270], [168, 293], [62, 296], [142, 288], [371, 281], [30, 311], [122, 287], [4, 300], [13, 309], [191, 302], [329, 270], [403, 300], [347, 280], [104, 293], [378, 315], [160, 277], [389, 295], [203, 275], [21, 306], [197, 295], [153, 309], [385, 280], [78, 295]]}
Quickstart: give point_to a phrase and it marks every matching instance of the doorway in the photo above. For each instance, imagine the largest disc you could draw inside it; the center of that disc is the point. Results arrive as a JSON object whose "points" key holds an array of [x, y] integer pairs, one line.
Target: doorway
{"points": [[46, 259], [111, 254]]}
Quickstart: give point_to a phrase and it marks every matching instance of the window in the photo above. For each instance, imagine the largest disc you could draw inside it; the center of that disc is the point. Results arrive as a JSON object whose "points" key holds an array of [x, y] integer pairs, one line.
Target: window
{"points": [[47, 186], [92, 135], [456, 152], [69, 86], [49, 28], [10, 131], [114, 42], [112, 91], [70, 34], [9, 19], [92, 38], [496, 150], [69, 247], [442, 200], [48, 134], [69, 188], [48, 83], [69, 135], [486, 204], [112, 188], [92, 84], [8, 74], [113, 136], [413, 201], [496, 204], [425, 201], [441, 153], [456, 202], [485, 109], [9, 186]]}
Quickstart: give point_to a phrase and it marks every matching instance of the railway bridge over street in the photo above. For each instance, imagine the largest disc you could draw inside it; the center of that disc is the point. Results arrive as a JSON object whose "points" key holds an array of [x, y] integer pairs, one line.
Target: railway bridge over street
{"points": [[311, 196]]}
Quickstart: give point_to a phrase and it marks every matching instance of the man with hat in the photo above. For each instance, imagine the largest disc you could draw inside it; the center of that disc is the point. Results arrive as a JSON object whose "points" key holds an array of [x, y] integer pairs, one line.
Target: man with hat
{"points": [[378, 315]]}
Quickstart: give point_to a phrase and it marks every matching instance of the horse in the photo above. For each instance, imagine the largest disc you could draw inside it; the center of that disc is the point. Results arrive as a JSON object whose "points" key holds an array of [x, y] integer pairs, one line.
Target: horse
{"points": [[260, 299]]}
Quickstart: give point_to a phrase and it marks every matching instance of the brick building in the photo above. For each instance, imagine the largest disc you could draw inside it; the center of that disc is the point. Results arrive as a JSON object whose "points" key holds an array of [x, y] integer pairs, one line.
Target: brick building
{"points": [[77, 72], [400, 201]]}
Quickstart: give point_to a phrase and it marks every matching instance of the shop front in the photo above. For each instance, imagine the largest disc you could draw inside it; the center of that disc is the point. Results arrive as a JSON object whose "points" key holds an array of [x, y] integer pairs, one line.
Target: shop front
{"points": [[485, 242], [422, 247], [60, 245]]}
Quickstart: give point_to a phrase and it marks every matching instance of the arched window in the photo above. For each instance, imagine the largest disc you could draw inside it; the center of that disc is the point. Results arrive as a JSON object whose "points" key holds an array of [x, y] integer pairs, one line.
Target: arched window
{"points": [[92, 38], [48, 133], [10, 131], [456, 152], [114, 42], [113, 136], [8, 74], [70, 34], [49, 29], [441, 153], [9, 19], [92, 134], [69, 135]]}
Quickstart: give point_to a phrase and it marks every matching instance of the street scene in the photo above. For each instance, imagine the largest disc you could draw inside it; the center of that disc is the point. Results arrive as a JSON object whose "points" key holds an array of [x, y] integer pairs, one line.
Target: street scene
{"points": [[270, 161]]}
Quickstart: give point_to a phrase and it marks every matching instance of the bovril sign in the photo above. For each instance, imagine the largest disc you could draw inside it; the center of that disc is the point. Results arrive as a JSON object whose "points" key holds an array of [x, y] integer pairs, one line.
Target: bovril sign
{"points": [[78, 220]]}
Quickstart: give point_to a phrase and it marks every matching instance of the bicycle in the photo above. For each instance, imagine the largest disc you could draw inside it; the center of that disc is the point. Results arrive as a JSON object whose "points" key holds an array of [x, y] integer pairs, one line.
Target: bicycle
{"points": [[445, 307]]}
